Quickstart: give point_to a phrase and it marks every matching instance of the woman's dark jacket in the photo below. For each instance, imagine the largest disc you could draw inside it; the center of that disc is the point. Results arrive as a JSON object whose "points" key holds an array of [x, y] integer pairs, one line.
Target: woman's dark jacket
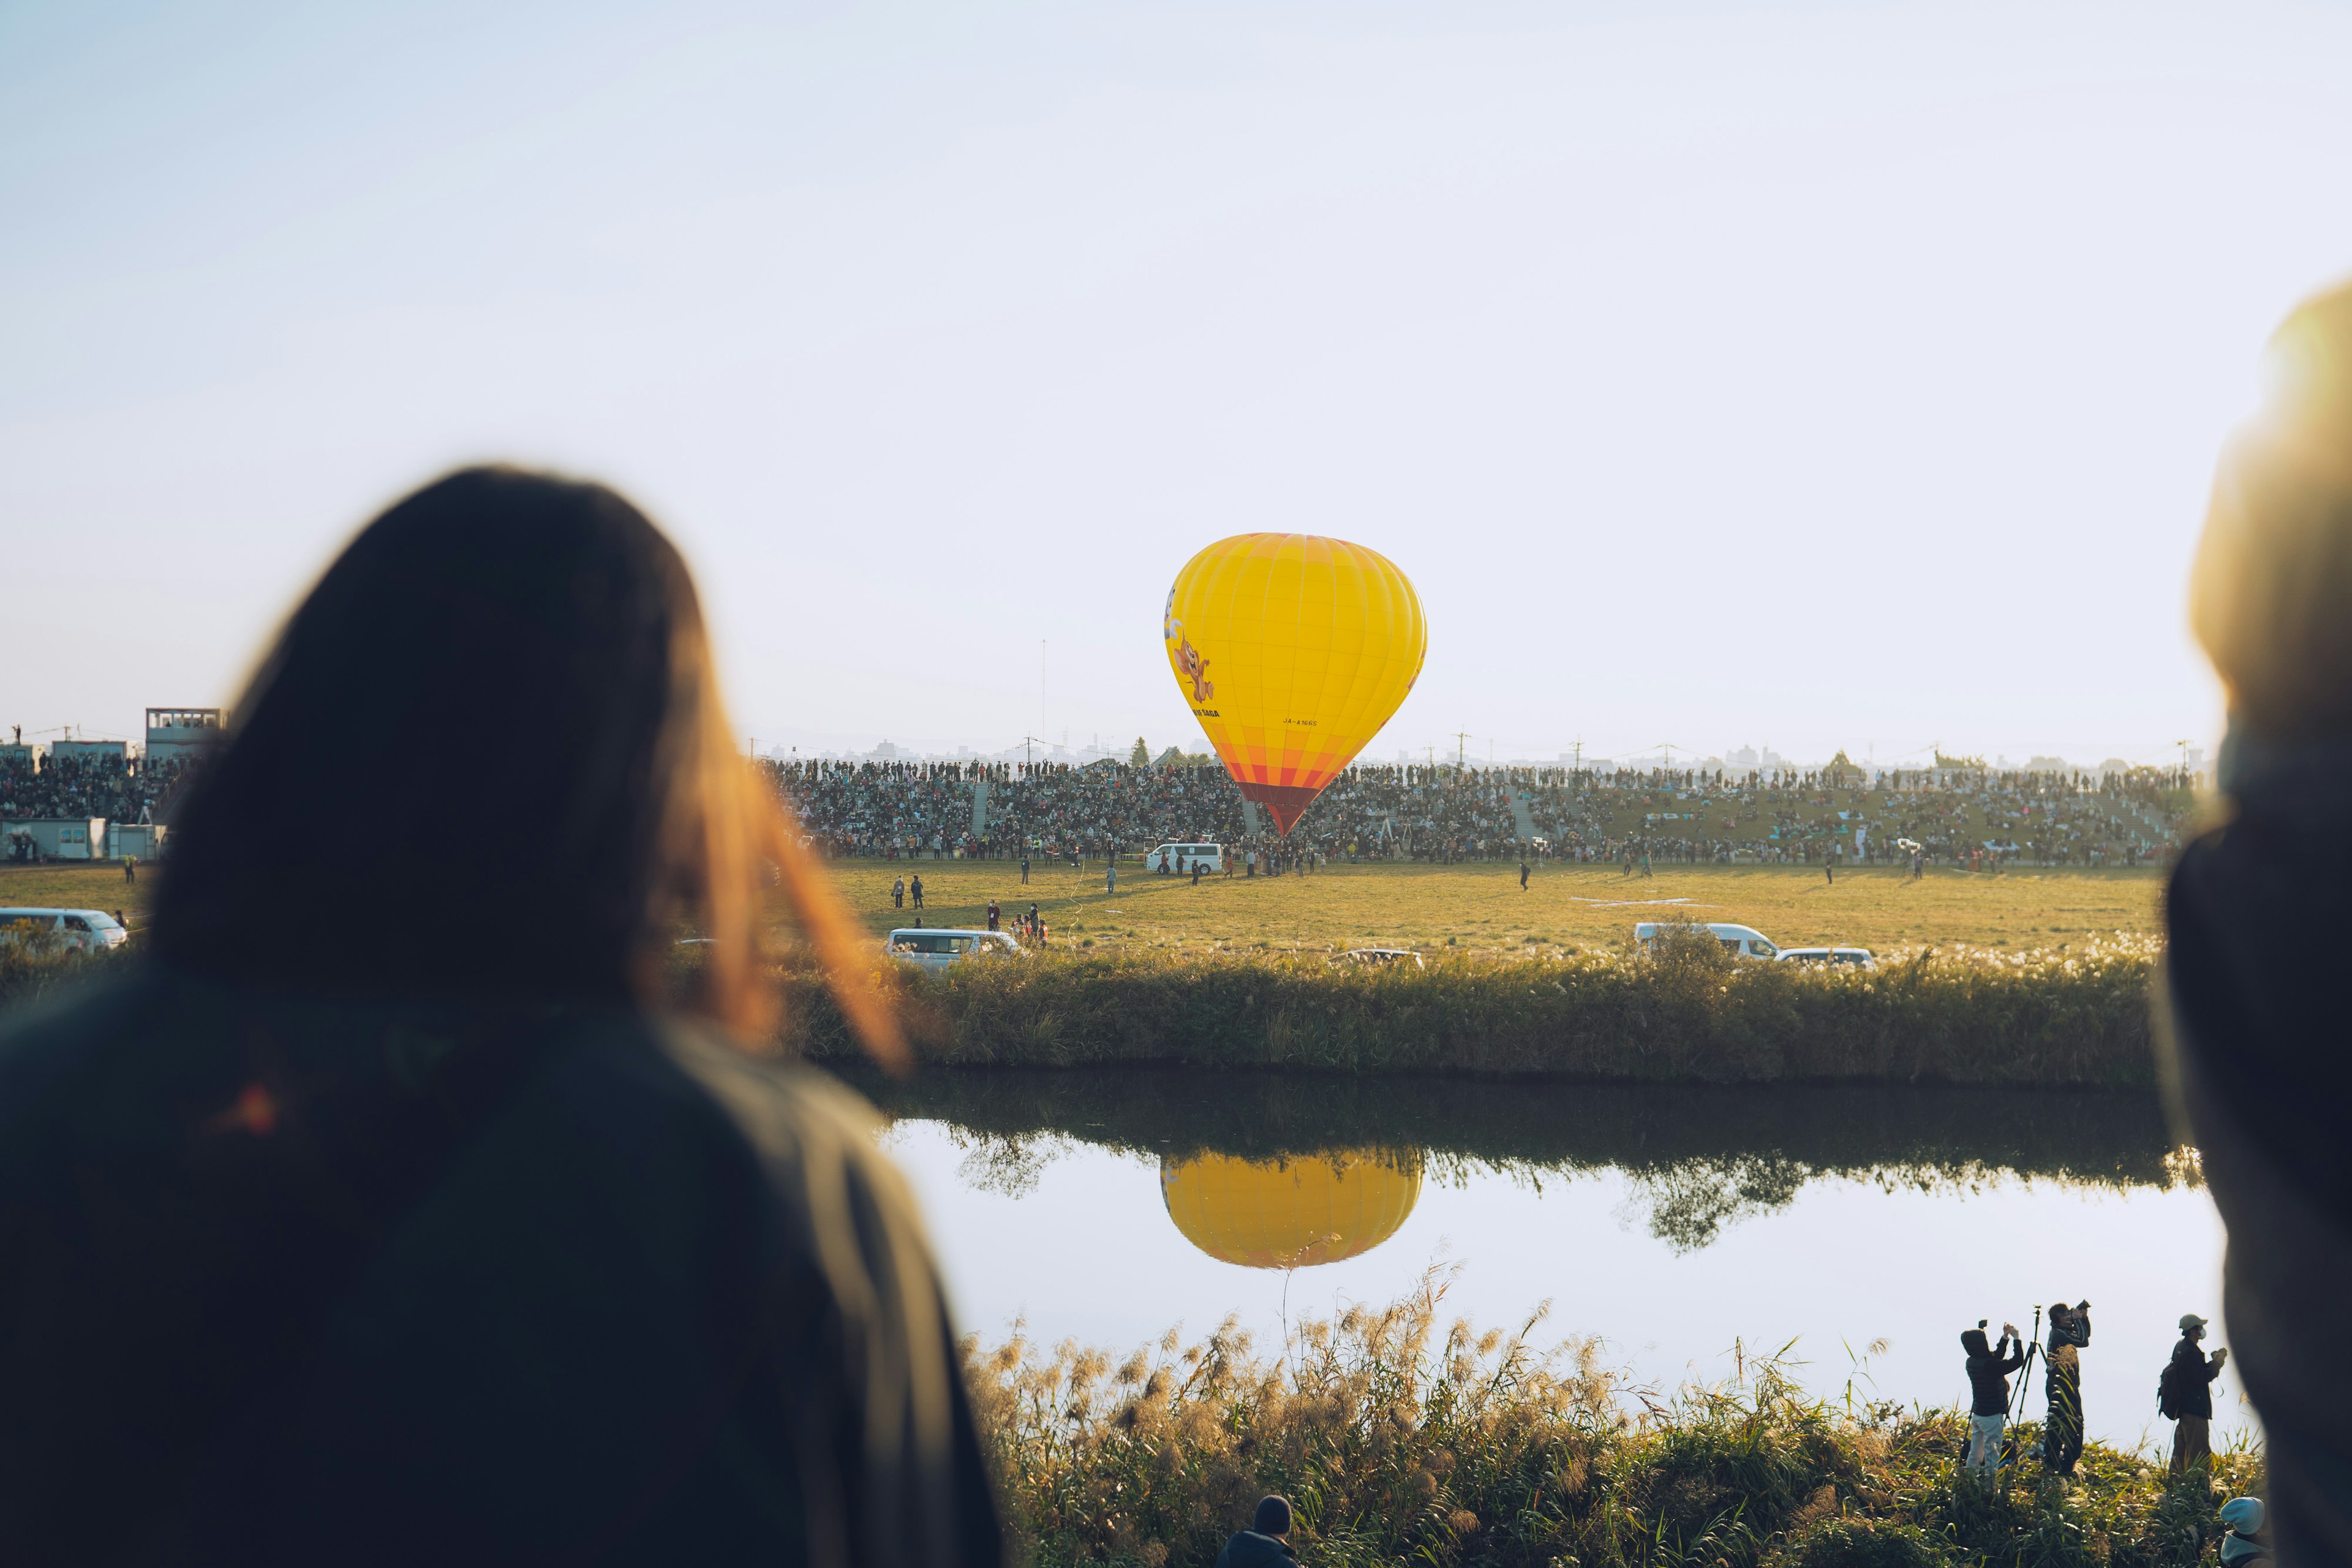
{"points": [[2255, 1049], [1989, 1370], [289, 1282]]}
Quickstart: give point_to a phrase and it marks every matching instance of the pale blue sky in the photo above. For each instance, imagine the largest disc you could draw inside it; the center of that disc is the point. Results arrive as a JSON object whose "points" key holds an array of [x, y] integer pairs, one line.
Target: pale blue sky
{"points": [[1812, 377]]}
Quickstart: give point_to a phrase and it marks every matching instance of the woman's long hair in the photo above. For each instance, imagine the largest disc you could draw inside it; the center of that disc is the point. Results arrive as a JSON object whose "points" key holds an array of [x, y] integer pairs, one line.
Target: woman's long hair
{"points": [[487, 757]]}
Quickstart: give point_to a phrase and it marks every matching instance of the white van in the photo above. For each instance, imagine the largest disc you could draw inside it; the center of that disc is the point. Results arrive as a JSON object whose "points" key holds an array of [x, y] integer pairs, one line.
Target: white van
{"points": [[935, 949], [1852, 957], [1178, 859], [1740, 942], [76, 930]]}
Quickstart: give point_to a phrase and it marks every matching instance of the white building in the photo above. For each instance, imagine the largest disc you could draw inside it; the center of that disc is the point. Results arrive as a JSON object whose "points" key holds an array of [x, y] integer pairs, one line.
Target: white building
{"points": [[180, 731]]}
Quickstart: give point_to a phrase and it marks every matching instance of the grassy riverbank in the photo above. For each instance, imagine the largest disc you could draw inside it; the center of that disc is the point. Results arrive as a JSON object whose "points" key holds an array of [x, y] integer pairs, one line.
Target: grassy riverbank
{"points": [[1401, 1439], [2076, 1018]]}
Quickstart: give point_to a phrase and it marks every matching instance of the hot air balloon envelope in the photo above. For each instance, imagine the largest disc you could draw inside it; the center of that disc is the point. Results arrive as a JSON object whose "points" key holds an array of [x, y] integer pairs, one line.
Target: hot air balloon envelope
{"points": [[1292, 650], [1289, 1214]]}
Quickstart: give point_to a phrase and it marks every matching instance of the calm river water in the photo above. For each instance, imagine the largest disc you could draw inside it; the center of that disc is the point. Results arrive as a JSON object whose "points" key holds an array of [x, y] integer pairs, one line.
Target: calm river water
{"points": [[1670, 1223]]}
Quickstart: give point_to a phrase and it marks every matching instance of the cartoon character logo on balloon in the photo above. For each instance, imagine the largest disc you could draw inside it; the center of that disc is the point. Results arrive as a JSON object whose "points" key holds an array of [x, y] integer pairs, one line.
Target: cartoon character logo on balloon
{"points": [[1316, 641]]}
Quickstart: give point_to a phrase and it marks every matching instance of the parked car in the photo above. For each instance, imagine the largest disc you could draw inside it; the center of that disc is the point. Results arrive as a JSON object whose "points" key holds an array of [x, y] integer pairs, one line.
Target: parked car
{"points": [[76, 930], [1740, 942], [1379, 955], [1860, 957], [1178, 859], [935, 949]]}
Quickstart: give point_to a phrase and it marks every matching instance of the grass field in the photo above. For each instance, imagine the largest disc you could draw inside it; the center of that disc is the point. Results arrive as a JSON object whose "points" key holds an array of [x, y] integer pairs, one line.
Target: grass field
{"points": [[1478, 908]]}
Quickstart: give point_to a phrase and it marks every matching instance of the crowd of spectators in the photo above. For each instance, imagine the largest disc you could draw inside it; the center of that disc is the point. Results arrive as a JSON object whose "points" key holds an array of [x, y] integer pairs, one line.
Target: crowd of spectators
{"points": [[1977, 818], [118, 788]]}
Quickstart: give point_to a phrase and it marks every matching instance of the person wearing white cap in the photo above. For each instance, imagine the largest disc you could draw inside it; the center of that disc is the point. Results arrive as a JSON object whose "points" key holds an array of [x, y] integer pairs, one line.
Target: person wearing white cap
{"points": [[2185, 1394]]}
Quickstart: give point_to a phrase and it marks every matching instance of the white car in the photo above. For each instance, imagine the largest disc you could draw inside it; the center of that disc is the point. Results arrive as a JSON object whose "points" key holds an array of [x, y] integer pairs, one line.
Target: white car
{"points": [[79, 930], [1740, 942], [1178, 859], [935, 949], [1859, 957]]}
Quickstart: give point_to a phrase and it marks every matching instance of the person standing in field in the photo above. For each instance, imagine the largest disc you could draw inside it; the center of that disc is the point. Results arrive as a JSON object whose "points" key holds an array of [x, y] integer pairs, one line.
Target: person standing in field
{"points": [[2185, 1394], [915, 889], [2062, 1434], [360, 1245], [131, 869], [992, 914], [1523, 875], [1025, 868], [898, 892]]}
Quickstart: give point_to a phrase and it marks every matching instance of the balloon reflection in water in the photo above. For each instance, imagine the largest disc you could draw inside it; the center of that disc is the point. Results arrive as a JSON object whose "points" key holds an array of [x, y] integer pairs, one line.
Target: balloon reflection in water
{"points": [[1293, 1213]]}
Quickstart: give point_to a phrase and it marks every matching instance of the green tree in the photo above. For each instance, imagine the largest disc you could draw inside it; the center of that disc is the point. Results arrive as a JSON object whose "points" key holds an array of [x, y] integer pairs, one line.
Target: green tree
{"points": [[1141, 756]]}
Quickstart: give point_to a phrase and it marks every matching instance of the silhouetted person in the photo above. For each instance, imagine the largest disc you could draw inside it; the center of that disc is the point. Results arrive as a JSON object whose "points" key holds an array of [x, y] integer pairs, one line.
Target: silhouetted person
{"points": [[915, 889], [2255, 1025], [1262, 1545], [2185, 1394], [1989, 1367], [2062, 1432], [364, 1239]]}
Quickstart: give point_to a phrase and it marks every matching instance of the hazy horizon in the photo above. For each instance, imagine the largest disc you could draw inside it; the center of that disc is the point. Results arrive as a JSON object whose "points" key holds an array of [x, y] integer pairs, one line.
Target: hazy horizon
{"points": [[1811, 376]]}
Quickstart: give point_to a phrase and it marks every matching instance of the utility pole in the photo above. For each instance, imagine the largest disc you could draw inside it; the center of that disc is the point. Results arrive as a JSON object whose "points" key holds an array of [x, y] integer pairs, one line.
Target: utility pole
{"points": [[1460, 751]]}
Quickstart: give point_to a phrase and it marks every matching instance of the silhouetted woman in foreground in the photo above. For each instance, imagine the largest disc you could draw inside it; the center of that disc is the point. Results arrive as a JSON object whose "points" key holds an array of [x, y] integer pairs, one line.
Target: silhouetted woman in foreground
{"points": [[387, 1215]]}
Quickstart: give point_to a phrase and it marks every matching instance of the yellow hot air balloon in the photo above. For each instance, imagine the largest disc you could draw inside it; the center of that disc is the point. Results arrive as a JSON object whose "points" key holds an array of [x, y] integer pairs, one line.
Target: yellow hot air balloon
{"points": [[1289, 1214], [1292, 650]]}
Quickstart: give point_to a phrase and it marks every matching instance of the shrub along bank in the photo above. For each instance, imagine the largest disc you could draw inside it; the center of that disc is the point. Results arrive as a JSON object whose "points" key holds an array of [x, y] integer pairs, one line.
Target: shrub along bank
{"points": [[2072, 1018], [1398, 1442], [2077, 1017]]}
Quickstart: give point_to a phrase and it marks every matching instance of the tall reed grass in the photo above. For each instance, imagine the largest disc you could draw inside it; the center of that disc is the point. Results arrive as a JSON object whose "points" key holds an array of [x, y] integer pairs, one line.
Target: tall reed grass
{"points": [[35, 970], [2073, 1017], [1400, 1442]]}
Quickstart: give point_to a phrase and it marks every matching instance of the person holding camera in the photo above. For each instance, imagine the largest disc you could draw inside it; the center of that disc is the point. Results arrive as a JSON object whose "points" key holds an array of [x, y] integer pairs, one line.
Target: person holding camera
{"points": [[1989, 1368], [2062, 1434], [2185, 1394]]}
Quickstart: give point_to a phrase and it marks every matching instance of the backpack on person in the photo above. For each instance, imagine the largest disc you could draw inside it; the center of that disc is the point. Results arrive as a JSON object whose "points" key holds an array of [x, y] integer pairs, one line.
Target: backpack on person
{"points": [[2167, 1392]]}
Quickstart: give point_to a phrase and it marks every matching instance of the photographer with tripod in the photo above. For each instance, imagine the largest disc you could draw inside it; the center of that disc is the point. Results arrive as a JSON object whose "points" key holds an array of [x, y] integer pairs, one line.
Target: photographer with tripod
{"points": [[1988, 1369]]}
